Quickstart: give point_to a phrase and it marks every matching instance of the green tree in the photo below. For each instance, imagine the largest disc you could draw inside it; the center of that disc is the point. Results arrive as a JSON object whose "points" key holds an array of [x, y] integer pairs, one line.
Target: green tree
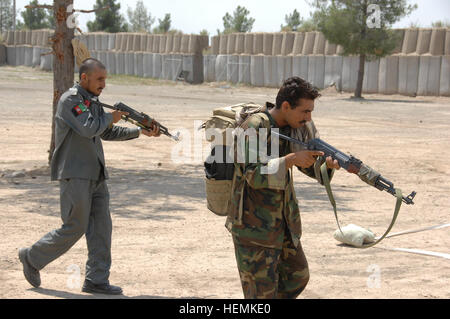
{"points": [[441, 24], [34, 18], [164, 24], [361, 27], [140, 19], [239, 22], [6, 15], [108, 20], [293, 21]]}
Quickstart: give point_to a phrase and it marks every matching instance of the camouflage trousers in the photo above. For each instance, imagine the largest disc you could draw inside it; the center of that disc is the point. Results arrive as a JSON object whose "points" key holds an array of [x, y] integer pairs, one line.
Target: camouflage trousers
{"points": [[268, 273]]}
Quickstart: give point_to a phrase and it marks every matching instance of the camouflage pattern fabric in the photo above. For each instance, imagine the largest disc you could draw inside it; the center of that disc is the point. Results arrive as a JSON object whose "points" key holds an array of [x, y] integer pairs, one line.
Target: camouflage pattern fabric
{"points": [[264, 219], [272, 273]]}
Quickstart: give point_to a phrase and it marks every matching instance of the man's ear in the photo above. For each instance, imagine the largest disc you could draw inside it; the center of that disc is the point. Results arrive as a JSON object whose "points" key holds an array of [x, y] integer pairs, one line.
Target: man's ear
{"points": [[83, 77], [285, 106]]}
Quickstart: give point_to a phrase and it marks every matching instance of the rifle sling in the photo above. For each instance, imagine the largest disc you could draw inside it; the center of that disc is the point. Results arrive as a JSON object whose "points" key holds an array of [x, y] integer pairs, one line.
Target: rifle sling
{"points": [[326, 182]]}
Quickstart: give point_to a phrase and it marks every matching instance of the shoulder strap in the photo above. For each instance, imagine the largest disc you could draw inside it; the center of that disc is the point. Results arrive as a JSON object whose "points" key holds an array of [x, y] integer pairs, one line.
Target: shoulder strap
{"points": [[326, 182]]}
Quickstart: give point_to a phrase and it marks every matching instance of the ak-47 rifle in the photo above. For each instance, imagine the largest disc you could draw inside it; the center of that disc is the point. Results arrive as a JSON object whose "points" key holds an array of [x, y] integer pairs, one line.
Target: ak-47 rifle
{"points": [[140, 119], [351, 164]]}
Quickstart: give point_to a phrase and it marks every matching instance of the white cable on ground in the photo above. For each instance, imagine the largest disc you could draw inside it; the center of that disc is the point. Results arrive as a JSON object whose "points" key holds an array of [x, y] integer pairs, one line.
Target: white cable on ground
{"points": [[419, 251], [417, 230]]}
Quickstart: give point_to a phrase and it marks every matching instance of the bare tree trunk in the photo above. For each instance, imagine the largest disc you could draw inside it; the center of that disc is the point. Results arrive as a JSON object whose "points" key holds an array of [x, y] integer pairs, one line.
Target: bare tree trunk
{"points": [[359, 83], [63, 62]]}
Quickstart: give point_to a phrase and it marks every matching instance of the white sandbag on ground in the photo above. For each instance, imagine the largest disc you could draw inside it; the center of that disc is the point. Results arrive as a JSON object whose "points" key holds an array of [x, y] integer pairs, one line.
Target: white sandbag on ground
{"points": [[371, 72], [297, 46], [28, 55], [300, 66], [444, 89], [193, 65], [316, 70], [209, 67], [221, 67], [2, 54], [157, 65], [248, 43], [408, 74], [111, 62], [277, 42], [308, 44], [319, 43], [223, 44], [333, 71], [437, 41], [287, 43], [350, 68], [423, 41], [257, 70], [258, 43], [129, 63], [233, 68], [429, 75], [244, 69], [410, 41], [388, 75], [139, 64], [267, 44], [270, 71], [147, 58], [120, 62]]}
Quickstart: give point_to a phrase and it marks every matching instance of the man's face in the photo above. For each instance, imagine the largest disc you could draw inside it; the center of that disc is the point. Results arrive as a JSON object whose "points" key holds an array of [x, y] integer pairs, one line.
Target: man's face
{"points": [[298, 116], [95, 81]]}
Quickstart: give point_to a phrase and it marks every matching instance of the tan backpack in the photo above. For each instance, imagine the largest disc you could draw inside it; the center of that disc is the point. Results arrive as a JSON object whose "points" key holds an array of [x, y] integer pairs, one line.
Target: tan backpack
{"points": [[219, 176]]}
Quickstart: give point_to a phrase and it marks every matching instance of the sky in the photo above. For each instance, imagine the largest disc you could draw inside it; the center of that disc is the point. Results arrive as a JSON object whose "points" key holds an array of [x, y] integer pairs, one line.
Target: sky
{"points": [[192, 16]]}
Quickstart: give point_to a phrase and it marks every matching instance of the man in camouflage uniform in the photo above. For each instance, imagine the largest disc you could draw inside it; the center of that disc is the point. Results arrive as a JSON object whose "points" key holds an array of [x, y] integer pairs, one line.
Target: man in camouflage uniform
{"points": [[264, 218]]}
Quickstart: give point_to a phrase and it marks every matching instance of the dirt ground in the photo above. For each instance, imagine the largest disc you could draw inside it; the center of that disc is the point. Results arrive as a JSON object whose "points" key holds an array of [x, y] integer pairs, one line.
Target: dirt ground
{"points": [[166, 244]]}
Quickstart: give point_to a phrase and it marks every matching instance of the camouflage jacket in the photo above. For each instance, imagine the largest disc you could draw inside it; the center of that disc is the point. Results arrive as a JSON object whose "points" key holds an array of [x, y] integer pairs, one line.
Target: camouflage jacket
{"points": [[264, 205]]}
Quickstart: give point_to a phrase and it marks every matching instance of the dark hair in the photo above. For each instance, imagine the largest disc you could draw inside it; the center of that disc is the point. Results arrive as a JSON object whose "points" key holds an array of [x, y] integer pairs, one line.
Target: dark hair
{"points": [[295, 88], [89, 65]]}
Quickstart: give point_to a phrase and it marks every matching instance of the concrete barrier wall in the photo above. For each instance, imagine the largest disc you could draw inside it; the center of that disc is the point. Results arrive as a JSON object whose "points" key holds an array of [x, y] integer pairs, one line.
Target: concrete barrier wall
{"points": [[408, 75], [444, 86], [388, 75], [2, 54], [429, 75]]}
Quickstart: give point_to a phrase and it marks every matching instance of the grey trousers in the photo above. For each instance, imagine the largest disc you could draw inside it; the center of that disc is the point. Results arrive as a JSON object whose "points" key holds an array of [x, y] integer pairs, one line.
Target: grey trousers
{"points": [[84, 211]]}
